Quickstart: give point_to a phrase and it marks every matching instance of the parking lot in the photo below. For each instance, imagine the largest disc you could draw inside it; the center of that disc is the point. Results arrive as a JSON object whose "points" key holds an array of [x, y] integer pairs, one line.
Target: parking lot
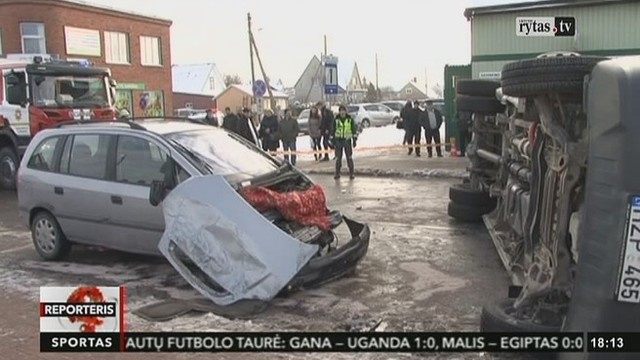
{"points": [[423, 272]]}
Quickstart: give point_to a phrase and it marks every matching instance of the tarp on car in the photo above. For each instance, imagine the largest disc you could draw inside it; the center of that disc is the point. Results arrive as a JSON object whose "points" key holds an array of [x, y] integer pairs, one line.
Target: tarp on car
{"points": [[238, 254]]}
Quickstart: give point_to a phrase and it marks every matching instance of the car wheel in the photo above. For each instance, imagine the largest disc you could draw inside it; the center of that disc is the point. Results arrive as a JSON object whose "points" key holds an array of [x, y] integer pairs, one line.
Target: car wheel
{"points": [[8, 168], [463, 194], [562, 74], [500, 317], [395, 120], [479, 104], [477, 87], [48, 239], [365, 123], [468, 213]]}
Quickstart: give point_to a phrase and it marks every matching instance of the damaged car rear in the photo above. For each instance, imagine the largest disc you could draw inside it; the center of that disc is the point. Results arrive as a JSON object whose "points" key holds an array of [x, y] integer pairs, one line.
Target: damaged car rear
{"points": [[235, 222]]}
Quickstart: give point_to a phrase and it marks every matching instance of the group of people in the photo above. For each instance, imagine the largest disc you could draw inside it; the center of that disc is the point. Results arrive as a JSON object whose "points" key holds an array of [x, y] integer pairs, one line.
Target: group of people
{"points": [[414, 119]]}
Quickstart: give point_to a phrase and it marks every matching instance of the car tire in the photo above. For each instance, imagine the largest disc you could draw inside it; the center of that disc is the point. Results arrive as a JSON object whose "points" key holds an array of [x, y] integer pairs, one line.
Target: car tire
{"points": [[48, 238], [485, 88], [496, 317], [479, 104], [395, 120], [365, 123], [468, 213], [563, 74], [8, 168], [463, 194]]}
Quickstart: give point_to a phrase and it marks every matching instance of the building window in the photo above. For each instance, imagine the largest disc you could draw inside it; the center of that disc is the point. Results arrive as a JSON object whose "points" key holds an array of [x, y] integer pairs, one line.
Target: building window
{"points": [[116, 47], [150, 52], [212, 83], [33, 41], [408, 91]]}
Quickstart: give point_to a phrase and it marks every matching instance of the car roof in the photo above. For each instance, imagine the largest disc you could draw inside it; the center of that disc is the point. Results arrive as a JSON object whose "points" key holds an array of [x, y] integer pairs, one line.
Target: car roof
{"points": [[169, 127], [156, 126]]}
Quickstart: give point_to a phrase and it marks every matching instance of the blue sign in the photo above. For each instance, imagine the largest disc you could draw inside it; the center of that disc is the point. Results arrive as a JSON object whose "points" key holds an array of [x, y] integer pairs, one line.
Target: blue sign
{"points": [[635, 201], [331, 79], [259, 88]]}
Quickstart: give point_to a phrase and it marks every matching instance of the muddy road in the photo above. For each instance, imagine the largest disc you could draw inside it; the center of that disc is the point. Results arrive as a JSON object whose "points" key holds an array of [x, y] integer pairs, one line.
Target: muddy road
{"points": [[423, 272]]}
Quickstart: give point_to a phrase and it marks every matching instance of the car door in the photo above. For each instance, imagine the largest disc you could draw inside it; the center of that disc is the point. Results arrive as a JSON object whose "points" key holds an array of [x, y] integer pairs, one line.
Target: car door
{"points": [[371, 113], [136, 225], [386, 115], [81, 189]]}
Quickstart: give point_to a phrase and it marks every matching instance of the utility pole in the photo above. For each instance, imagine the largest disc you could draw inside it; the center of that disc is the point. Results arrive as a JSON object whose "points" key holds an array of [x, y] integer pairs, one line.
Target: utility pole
{"points": [[264, 74], [324, 71], [377, 88], [253, 73]]}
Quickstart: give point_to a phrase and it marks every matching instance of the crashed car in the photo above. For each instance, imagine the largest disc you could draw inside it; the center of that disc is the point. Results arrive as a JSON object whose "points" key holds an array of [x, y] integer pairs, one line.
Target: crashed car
{"points": [[234, 221], [554, 178]]}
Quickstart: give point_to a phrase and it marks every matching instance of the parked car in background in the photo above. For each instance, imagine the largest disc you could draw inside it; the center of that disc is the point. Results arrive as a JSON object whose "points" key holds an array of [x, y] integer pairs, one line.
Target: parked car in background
{"points": [[395, 105], [366, 115], [303, 121]]}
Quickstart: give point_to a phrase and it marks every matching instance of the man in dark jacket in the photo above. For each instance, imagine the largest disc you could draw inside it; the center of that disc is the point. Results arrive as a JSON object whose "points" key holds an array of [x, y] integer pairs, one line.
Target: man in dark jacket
{"points": [[246, 128], [210, 119], [269, 132], [230, 120], [345, 133], [326, 126], [412, 125], [432, 128], [289, 130]]}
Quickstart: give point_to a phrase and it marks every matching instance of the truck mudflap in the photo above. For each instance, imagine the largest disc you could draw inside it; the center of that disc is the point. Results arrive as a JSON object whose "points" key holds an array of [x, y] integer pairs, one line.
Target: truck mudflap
{"points": [[225, 248]]}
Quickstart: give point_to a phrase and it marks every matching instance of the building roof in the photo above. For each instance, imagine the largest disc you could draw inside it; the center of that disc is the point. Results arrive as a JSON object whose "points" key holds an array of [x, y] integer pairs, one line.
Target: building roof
{"points": [[356, 82], [194, 79], [469, 13], [90, 6], [249, 91]]}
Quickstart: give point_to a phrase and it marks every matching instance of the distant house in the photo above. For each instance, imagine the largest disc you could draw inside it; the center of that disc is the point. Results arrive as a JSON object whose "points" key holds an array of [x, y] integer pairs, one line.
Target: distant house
{"points": [[411, 91], [356, 91], [196, 85], [237, 97], [310, 86]]}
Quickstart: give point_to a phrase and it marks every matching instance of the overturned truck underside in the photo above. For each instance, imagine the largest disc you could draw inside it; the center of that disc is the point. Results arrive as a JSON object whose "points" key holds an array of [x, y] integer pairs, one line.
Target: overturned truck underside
{"points": [[255, 241]]}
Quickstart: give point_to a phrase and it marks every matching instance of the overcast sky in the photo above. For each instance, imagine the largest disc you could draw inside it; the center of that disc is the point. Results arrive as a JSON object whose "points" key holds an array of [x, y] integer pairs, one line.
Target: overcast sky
{"points": [[411, 37]]}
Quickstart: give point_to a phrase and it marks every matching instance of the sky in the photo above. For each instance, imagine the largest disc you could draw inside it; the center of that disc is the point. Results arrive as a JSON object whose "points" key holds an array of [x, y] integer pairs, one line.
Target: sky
{"points": [[412, 38]]}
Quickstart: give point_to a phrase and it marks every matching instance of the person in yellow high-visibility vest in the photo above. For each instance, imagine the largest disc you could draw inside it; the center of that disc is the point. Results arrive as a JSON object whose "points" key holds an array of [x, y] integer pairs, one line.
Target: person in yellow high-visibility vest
{"points": [[345, 135]]}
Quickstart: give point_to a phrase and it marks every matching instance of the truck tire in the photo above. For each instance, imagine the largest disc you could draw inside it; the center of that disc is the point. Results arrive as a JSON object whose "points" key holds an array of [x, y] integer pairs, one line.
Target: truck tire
{"points": [[543, 75], [8, 167], [479, 104], [477, 87], [467, 213], [496, 317], [463, 194]]}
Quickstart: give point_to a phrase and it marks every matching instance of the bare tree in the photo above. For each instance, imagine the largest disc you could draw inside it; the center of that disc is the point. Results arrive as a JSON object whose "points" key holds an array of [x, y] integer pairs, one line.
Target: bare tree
{"points": [[232, 79]]}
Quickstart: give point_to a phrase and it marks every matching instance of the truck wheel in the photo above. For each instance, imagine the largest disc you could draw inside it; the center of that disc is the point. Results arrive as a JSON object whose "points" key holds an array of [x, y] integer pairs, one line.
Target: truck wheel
{"points": [[463, 194], [477, 87], [562, 74], [8, 168], [468, 213], [479, 104], [48, 238], [499, 317]]}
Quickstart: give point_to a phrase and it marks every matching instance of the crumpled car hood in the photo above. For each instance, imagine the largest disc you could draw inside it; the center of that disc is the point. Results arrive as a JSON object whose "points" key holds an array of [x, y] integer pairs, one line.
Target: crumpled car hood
{"points": [[241, 255]]}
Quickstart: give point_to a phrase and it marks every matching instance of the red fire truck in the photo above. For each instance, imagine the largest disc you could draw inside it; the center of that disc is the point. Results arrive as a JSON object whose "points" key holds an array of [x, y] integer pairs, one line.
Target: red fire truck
{"points": [[37, 92]]}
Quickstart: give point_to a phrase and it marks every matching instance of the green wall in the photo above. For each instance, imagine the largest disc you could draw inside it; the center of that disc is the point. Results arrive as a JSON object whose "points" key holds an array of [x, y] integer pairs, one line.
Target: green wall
{"points": [[452, 73]]}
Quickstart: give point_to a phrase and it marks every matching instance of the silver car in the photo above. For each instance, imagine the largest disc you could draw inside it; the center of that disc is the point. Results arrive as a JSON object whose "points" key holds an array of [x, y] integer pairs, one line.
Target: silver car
{"points": [[303, 121], [366, 115], [174, 188]]}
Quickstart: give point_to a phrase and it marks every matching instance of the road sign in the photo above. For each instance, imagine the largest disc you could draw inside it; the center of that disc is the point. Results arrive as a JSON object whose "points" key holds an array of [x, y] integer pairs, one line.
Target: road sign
{"points": [[260, 105], [330, 75], [259, 88]]}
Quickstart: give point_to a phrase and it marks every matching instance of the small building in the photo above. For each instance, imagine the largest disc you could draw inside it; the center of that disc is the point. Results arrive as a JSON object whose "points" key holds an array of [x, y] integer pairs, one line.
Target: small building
{"points": [[310, 86], [411, 91], [135, 47], [356, 90], [594, 27], [196, 85], [237, 97]]}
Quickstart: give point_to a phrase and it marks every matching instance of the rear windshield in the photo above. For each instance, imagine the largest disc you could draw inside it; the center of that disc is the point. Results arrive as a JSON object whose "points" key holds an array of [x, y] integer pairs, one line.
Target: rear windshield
{"points": [[352, 109], [226, 155]]}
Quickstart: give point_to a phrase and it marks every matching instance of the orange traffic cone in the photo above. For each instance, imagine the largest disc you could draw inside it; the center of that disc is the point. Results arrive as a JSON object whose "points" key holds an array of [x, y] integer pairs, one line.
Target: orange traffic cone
{"points": [[454, 147]]}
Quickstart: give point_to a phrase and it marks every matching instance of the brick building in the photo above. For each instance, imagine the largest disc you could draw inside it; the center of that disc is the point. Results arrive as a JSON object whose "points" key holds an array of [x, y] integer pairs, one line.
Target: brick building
{"points": [[135, 47]]}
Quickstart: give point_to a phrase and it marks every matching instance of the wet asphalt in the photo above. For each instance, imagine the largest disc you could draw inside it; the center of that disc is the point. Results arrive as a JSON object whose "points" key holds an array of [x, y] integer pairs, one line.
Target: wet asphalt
{"points": [[424, 272]]}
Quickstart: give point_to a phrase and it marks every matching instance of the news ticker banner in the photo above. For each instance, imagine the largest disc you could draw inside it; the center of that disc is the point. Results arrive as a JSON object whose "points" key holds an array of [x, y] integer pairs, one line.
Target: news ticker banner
{"points": [[92, 319]]}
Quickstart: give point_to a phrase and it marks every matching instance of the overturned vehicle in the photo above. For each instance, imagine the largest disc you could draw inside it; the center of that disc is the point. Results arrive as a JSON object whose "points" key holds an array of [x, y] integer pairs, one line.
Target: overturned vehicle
{"points": [[235, 222], [554, 177]]}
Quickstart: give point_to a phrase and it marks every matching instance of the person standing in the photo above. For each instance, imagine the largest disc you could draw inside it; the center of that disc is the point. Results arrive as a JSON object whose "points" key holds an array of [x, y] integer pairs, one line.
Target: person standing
{"points": [[404, 114], [315, 133], [269, 132], [209, 119], [230, 120], [289, 130], [345, 137], [432, 131], [412, 124], [464, 122], [326, 127], [246, 128]]}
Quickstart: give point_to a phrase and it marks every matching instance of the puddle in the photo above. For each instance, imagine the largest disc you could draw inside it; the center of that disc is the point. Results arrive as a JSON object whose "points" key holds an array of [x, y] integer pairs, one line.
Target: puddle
{"points": [[430, 281]]}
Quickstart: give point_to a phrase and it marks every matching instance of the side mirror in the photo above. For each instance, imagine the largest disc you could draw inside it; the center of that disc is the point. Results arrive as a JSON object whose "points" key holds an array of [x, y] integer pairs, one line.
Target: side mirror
{"points": [[157, 192]]}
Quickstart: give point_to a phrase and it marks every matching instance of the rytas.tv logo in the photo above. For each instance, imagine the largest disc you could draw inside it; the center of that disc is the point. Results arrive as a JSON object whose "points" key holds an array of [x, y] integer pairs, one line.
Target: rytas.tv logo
{"points": [[546, 26]]}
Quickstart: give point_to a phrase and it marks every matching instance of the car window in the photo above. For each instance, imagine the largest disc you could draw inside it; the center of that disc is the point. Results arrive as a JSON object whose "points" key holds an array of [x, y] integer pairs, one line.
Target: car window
{"points": [[43, 157], [304, 114], [371, 107], [139, 161], [86, 156], [352, 109]]}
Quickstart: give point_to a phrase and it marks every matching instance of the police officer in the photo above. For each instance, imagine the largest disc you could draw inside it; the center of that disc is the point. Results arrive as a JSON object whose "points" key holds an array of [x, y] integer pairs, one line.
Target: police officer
{"points": [[345, 137]]}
